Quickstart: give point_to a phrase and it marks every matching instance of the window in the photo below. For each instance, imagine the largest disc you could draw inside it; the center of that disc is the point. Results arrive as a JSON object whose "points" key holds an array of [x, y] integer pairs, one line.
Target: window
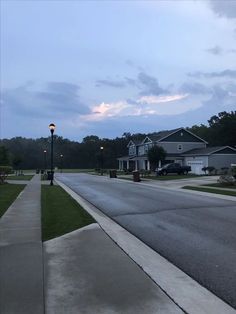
{"points": [[180, 147]]}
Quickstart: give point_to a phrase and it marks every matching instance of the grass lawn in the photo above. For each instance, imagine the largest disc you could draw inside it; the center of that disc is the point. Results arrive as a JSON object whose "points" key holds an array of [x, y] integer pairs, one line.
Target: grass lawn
{"points": [[74, 170], [61, 213], [24, 177], [8, 193], [219, 185], [214, 191], [171, 177]]}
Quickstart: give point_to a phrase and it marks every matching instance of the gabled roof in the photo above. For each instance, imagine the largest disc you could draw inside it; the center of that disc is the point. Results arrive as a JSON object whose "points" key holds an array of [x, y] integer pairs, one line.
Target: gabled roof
{"points": [[207, 151], [147, 139], [134, 142], [162, 134], [169, 133]]}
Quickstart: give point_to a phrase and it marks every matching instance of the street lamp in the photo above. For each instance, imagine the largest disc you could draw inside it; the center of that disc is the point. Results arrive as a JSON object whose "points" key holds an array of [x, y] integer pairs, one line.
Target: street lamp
{"points": [[45, 160], [52, 128], [101, 150], [61, 161]]}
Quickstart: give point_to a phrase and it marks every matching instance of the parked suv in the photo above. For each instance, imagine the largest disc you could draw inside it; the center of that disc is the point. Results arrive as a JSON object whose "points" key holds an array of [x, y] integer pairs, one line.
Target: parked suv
{"points": [[173, 168]]}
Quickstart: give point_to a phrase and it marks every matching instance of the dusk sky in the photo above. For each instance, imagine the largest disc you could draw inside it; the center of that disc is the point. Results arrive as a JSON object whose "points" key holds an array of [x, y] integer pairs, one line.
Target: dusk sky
{"points": [[109, 67]]}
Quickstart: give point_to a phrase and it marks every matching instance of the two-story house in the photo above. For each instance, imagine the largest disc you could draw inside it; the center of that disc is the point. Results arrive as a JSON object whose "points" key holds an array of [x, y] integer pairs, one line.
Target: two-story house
{"points": [[181, 146]]}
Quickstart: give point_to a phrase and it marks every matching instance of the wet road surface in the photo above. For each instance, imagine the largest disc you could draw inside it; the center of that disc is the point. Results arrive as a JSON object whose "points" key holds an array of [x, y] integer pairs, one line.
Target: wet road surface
{"points": [[196, 233]]}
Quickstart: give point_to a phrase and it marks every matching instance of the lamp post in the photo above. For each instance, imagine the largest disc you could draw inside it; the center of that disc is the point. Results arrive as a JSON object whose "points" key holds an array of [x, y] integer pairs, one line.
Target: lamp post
{"points": [[101, 150], [52, 128], [61, 156], [45, 160]]}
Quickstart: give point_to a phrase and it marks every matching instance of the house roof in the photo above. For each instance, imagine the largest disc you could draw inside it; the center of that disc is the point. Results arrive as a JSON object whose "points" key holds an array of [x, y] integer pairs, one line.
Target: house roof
{"points": [[135, 142], [207, 150], [162, 135], [159, 135]]}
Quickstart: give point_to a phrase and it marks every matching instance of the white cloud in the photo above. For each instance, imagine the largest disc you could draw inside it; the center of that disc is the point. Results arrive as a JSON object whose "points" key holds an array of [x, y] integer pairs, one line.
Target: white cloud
{"points": [[143, 106], [160, 99]]}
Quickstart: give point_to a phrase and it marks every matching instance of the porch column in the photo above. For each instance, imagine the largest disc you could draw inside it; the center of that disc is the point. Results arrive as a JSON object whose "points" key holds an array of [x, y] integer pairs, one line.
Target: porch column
{"points": [[144, 164], [148, 165], [136, 165], [159, 164], [127, 164]]}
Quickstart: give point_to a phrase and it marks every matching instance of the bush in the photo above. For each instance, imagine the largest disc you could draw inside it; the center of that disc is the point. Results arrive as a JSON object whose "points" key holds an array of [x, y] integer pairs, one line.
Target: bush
{"points": [[4, 171], [233, 171], [210, 169], [225, 170]]}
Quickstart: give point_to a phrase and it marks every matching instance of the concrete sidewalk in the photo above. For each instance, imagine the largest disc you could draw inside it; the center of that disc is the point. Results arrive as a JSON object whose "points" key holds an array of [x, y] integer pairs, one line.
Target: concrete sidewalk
{"points": [[21, 258], [86, 272]]}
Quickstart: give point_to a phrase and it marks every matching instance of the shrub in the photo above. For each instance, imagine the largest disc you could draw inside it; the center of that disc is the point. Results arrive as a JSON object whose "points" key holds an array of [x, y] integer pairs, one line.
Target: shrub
{"points": [[210, 169]]}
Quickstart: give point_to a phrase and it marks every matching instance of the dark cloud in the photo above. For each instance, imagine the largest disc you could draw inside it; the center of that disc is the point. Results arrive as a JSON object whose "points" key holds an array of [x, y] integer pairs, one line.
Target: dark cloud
{"points": [[226, 8], [58, 99], [110, 83], [149, 85], [131, 81], [132, 101], [195, 88], [217, 50], [225, 73]]}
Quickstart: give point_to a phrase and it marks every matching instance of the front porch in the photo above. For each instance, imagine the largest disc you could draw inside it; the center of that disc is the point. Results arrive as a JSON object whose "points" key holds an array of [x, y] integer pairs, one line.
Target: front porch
{"points": [[142, 162], [133, 163]]}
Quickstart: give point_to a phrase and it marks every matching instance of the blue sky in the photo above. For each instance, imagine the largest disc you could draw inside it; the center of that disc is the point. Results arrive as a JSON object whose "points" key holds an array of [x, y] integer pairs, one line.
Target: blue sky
{"points": [[109, 67]]}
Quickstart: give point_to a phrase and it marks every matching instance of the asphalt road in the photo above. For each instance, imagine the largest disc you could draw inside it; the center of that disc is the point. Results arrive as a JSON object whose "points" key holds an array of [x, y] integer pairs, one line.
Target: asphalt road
{"points": [[196, 233]]}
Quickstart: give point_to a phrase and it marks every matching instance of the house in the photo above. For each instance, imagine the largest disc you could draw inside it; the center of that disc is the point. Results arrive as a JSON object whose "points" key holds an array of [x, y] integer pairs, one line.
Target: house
{"points": [[182, 146]]}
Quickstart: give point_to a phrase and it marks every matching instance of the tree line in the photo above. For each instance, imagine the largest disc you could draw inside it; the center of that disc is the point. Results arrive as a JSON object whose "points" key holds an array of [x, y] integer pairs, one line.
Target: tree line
{"points": [[26, 153]]}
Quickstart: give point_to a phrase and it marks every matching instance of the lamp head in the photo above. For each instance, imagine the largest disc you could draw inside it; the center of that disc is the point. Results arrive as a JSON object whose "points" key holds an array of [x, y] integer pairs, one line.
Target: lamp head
{"points": [[52, 127], [101, 147]]}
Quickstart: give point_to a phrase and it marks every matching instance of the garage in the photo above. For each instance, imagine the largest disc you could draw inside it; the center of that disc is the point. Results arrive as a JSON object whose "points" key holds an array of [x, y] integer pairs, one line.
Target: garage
{"points": [[196, 166]]}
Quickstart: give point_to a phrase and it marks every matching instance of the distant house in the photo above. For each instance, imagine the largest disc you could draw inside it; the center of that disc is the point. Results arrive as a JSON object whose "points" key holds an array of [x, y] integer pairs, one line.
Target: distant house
{"points": [[182, 146]]}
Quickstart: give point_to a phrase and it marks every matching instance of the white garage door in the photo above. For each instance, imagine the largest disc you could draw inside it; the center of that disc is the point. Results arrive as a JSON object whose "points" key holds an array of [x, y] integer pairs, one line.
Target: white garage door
{"points": [[196, 166]]}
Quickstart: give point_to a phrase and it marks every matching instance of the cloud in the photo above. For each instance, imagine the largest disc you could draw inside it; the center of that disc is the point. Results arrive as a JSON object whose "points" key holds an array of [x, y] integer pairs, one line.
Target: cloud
{"points": [[110, 83], [225, 73], [143, 106], [217, 50], [195, 88], [160, 99], [146, 84], [149, 85], [224, 8], [58, 99]]}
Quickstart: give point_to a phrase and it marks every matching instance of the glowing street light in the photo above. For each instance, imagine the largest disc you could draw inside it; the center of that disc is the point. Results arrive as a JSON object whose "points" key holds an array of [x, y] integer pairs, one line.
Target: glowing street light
{"points": [[52, 128]]}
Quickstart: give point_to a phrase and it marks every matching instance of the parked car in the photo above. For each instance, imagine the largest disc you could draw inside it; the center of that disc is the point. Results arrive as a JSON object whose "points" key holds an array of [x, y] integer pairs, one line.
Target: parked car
{"points": [[173, 168]]}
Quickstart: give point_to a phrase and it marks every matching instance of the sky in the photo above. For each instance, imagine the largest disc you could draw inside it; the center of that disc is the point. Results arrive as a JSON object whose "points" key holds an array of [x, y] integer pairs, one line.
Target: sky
{"points": [[108, 67]]}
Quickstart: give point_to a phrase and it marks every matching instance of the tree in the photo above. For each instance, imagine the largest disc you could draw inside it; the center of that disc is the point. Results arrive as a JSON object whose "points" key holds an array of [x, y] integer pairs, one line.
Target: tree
{"points": [[4, 156], [17, 160], [155, 155], [223, 128]]}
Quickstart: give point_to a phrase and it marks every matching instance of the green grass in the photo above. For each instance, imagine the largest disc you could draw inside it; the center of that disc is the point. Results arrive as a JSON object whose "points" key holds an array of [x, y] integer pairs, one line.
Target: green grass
{"points": [[24, 177], [61, 213], [220, 185], [74, 170], [8, 193], [214, 191], [172, 177]]}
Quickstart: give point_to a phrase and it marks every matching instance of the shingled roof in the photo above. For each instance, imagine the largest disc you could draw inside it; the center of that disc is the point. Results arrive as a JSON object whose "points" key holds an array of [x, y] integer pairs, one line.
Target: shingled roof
{"points": [[159, 135], [206, 151]]}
